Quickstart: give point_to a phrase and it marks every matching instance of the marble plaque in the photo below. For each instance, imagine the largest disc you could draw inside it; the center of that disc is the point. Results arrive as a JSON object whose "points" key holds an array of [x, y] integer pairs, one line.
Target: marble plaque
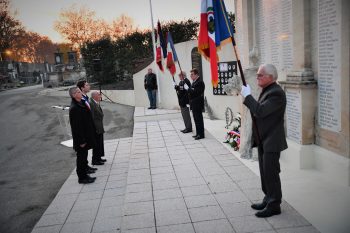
{"points": [[274, 33], [329, 52], [293, 115]]}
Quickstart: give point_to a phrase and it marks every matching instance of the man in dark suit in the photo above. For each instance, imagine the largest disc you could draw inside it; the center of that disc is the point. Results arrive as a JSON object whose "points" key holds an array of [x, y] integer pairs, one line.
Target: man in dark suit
{"points": [[269, 136], [97, 116], [182, 95], [196, 95], [84, 87], [83, 131], [151, 87]]}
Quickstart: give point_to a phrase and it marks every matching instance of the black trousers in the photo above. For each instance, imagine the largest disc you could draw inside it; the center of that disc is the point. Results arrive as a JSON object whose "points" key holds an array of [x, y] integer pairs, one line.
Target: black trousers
{"points": [[269, 166], [82, 155], [98, 151], [198, 120]]}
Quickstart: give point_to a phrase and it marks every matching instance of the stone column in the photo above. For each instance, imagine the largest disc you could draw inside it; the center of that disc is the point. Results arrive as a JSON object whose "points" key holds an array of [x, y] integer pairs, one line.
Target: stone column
{"points": [[245, 36], [301, 88]]}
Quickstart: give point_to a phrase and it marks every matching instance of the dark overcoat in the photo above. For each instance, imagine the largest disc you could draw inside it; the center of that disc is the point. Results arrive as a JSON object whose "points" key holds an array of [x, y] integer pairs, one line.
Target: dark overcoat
{"points": [[82, 125]]}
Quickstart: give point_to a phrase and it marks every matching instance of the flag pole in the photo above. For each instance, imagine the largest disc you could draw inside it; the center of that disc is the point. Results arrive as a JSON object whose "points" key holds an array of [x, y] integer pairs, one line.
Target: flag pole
{"points": [[178, 62], [154, 53], [257, 137], [238, 61]]}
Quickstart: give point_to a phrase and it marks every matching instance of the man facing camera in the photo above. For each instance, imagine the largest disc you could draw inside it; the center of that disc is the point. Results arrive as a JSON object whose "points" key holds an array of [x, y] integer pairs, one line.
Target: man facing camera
{"points": [[182, 95], [196, 95], [151, 87], [269, 136], [97, 116]]}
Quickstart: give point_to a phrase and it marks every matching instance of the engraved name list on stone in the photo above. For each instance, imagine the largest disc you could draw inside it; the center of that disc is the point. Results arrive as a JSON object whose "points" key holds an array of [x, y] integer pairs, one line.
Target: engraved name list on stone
{"points": [[329, 28], [274, 33], [293, 115]]}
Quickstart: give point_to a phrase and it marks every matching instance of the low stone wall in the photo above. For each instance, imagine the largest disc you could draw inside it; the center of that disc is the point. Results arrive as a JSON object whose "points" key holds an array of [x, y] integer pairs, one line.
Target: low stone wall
{"points": [[126, 97]]}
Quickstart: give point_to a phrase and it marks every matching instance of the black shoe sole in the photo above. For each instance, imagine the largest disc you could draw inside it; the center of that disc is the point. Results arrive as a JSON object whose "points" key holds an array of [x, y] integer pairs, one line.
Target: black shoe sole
{"points": [[97, 164], [258, 206], [261, 214]]}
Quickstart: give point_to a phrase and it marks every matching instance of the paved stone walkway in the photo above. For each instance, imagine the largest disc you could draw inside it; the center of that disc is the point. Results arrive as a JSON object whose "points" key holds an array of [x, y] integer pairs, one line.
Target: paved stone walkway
{"points": [[161, 180]]}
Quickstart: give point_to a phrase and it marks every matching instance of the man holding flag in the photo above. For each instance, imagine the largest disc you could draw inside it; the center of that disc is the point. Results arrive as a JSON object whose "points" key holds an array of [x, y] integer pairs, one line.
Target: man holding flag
{"points": [[182, 95]]}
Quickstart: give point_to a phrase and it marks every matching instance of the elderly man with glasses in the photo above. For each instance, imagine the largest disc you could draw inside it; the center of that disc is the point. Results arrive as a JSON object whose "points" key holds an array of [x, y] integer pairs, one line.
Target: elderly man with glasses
{"points": [[268, 135]]}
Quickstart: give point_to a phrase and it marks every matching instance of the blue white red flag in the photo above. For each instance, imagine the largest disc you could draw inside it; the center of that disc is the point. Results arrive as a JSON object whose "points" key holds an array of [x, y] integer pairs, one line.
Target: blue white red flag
{"points": [[171, 56], [215, 30], [160, 48]]}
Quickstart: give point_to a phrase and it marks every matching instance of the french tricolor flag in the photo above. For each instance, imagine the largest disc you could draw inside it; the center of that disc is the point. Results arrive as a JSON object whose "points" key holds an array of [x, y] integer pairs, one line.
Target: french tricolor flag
{"points": [[171, 56]]}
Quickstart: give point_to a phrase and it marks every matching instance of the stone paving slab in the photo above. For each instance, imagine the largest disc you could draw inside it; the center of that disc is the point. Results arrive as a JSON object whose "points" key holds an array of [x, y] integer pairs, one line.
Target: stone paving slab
{"points": [[162, 180]]}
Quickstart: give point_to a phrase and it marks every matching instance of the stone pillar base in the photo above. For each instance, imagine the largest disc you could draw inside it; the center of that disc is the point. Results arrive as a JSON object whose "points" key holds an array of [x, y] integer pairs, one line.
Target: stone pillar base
{"points": [[301, 109]]}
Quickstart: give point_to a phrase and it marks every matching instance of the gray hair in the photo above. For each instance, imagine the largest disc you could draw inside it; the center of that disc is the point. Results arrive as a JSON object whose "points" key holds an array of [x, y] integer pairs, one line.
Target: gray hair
{"points": [[94, 93], [72, 91], [270, 70], [183, 73]]}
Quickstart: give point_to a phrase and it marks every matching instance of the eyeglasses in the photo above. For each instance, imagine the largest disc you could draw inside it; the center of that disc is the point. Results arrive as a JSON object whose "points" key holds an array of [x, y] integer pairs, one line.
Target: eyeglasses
{"points": [[261, 75]]}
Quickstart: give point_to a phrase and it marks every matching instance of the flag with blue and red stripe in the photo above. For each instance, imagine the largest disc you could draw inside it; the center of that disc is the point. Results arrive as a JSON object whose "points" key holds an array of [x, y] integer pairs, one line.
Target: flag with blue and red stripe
{"points": [[215, 31], [161, 52], [171, 56]]}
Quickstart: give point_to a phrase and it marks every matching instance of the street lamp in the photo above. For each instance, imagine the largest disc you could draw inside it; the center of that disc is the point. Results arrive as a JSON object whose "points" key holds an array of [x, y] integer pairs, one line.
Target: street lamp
{"points": [[7, 53]]}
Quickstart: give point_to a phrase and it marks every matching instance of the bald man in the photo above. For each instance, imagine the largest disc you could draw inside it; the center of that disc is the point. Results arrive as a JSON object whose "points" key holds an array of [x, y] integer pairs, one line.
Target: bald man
{"points": [[97, 116], [150, 83], [269, 136]]}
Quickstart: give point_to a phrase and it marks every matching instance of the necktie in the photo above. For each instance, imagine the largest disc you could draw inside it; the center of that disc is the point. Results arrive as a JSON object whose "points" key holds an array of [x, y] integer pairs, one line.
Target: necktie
{"points": [[86, 100]]}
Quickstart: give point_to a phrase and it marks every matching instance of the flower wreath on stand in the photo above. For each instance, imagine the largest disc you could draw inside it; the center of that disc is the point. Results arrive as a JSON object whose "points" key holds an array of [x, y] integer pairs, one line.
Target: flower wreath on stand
{"points": [[233, 137]]}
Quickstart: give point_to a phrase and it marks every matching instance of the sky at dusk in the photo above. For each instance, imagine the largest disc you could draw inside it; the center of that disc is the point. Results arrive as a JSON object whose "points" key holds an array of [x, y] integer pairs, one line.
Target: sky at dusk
{"points": [[39, 15]]}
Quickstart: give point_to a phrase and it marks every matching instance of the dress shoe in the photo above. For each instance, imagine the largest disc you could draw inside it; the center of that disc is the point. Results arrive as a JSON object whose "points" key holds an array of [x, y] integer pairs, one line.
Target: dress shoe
{"points": [[89, 171], [91, 177], [194, 136], [198, 137], [259, 206], [103, 160], [187, 131], [92, 168], [86, 180], [268, 212], [97, 163], [150, 108], [182, 130]]}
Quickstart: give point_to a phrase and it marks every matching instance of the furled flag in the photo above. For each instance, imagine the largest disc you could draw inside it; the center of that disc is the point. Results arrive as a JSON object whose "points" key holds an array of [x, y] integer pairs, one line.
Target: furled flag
{"points": [[159, 57], [215, 30], [160, 48], [172, 57]]}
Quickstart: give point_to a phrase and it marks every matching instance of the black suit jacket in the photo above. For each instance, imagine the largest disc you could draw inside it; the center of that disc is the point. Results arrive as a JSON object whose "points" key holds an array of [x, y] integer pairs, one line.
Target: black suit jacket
{"points": [[182, 94], [196, 95], [82, 125], [97, 116], [269, 114]]}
